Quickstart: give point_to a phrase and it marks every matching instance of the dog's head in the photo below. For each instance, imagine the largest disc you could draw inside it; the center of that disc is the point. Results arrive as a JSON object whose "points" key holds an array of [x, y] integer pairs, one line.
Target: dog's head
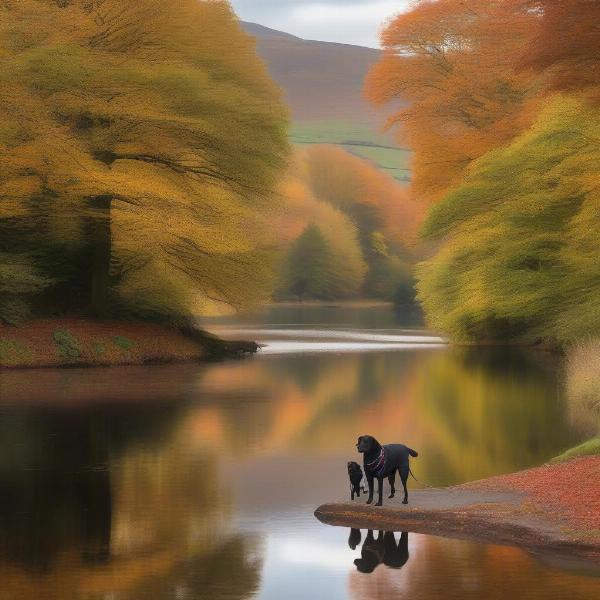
{"points": [[367, 444], [364, 565], [353, 467]]}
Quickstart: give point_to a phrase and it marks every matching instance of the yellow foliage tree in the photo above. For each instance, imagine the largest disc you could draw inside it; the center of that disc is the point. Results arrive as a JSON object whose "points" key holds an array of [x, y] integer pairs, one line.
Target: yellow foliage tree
{"points": [[140, 143]]}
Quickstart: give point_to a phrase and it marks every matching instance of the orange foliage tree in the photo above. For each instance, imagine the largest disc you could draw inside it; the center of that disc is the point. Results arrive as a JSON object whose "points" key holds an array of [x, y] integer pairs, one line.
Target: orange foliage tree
{"points": [[452, 63], [567, 44]]}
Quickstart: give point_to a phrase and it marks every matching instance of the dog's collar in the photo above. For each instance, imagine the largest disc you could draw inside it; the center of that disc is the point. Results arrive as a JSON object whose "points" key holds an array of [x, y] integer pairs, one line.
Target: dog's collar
{"points": [[378, 462]]}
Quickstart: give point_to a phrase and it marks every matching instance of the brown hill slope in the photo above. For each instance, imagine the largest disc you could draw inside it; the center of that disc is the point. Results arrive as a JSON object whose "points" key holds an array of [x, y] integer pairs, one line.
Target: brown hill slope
{"points": [[321, 80], [323, 85]]}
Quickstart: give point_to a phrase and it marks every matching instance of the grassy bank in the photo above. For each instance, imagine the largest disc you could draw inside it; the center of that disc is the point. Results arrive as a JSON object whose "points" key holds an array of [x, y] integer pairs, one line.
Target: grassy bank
{"points": [[81, 342], [589, 448]]}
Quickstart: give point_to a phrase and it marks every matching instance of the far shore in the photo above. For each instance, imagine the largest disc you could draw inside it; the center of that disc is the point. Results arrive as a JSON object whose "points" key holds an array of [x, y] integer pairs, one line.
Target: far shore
{"points": [[552, 511], [359, 303], [78, 342]]}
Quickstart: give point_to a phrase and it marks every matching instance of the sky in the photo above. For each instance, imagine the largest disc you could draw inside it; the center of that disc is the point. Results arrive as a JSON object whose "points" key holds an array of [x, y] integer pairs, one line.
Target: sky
{"points": [[346, 21]]}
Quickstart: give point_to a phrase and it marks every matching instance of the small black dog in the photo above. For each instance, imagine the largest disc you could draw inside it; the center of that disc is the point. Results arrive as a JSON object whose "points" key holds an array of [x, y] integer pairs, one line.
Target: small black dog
{"points": [[355, 474], [383, 461], [354, 538]]}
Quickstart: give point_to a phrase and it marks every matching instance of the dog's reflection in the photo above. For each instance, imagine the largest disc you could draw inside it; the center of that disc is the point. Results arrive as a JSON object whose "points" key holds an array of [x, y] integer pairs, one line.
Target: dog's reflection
{"points": [[382, 549], [354, 539]]}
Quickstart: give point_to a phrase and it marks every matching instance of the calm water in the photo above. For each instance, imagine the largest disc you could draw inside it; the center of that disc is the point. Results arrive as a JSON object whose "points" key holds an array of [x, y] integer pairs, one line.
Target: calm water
{"points": [[193, 482]]}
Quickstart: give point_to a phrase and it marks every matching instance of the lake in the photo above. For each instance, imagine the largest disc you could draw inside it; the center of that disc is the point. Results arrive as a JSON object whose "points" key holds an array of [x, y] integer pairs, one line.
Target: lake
{"points": [[200, 481]]}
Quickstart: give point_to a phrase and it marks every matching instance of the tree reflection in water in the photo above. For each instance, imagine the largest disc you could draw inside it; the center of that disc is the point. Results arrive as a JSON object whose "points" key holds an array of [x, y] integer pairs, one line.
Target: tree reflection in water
{"points": [[114, 500]]}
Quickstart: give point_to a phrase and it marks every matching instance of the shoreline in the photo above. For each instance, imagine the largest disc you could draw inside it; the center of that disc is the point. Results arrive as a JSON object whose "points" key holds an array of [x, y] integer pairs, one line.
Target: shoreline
{"points": [[84, 343], [538, 510]]}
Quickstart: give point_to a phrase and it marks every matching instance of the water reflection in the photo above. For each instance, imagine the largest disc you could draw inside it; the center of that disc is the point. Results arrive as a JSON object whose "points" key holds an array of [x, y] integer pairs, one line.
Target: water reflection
{"points": [[461, 570], [200, 482], [380, 550], [115, 500], [469, 414]]}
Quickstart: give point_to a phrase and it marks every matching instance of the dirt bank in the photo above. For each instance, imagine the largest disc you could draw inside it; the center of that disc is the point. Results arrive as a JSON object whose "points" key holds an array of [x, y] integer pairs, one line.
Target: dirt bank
{"points": [[82, 342], [553, 510]]}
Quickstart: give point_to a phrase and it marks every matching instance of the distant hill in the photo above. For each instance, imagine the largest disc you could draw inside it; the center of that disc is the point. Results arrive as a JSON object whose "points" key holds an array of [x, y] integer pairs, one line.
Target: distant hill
{"points": [[323, 85]]}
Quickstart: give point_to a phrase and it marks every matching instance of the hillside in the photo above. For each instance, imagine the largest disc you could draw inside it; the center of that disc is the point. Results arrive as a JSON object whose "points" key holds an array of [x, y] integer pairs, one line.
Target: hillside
{"points": [[323, 82]]}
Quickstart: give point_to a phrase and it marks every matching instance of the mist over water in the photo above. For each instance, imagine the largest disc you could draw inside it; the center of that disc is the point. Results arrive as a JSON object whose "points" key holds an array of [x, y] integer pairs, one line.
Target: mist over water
{"points": [[200, 481]]}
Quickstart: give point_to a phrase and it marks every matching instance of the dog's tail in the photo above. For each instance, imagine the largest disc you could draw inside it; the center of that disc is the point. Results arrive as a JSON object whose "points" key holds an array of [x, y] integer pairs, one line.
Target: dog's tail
{"points": [[410, 471], [413, 453]]}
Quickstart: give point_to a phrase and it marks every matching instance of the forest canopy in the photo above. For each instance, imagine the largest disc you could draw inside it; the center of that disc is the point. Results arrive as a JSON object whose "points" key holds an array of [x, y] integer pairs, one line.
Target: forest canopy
{"points": [[140, 147], [503, 115]]}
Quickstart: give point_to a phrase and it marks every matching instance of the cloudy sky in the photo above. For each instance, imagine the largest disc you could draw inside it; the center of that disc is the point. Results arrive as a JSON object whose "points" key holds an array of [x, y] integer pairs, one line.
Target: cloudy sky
{"points": [[347, 21]]}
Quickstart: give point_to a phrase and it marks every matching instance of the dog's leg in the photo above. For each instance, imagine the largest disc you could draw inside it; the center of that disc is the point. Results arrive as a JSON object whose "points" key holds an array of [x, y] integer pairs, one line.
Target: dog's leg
{"points": [[380, 482], [392, 480], [370, 482], [352, 493], [358, 491], [404, 476]]}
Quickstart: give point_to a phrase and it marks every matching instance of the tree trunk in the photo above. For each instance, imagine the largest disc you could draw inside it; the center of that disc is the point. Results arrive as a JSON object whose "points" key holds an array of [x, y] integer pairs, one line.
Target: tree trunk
{"points": [[100, 245]]}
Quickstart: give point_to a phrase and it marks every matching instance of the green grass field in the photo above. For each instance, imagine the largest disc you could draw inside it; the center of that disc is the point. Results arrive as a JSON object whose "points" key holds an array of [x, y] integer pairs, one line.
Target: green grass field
{"points": [[358, 139]]}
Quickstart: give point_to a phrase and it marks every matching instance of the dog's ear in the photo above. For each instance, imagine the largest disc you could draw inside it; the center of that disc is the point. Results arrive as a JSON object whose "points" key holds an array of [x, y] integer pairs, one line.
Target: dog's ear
{"points": [[373, 443]]}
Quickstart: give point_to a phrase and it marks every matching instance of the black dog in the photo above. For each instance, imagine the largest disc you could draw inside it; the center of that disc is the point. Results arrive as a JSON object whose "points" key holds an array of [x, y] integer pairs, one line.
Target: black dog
{"points": [[382, 550], [383, 461], [355, 474], [396, 554]]}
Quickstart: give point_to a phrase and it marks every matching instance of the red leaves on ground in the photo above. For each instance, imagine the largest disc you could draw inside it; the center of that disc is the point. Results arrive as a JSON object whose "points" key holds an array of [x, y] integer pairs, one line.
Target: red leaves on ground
{"points": [[568, 491]]}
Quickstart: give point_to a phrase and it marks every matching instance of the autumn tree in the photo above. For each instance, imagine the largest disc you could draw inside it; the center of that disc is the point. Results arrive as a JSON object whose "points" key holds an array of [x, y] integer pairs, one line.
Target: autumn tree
{"points": [[308, 266], [566, 45], [519, 255], [450, 64], [385, 215], [140, 143], [345, 267]]}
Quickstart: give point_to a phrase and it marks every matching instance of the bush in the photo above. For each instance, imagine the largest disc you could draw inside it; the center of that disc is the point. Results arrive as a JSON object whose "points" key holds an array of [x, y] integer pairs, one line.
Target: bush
{"points": [[67, 343], [123, 342], [13, 353]]}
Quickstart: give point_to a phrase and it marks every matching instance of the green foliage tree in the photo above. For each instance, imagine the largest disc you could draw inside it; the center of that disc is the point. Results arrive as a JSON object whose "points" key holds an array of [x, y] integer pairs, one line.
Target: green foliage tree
{"points": [[308, 266], [519, 249], [140, 143]]}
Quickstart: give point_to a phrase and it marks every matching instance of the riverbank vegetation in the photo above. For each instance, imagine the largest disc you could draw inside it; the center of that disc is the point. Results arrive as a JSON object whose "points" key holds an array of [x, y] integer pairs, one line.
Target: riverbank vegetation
{"points": [[503, 118], [140, 147]]}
